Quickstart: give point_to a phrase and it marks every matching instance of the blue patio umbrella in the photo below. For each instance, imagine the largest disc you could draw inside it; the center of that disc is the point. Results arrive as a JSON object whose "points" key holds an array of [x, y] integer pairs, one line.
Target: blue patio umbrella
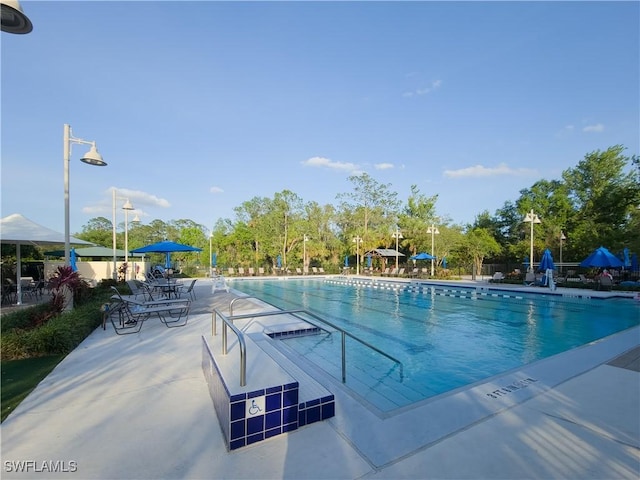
{"points": [[214, 260], [626, 259], [346, 260], [444, 262], [369, 260], [167, 248], [73, 259], [602, 258], [635, 266], [422, 256], [546, 262], [525, 262], [279, 262]]}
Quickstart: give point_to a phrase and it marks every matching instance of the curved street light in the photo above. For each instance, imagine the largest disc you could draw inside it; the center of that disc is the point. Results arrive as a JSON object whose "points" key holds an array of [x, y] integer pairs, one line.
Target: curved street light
{"points": [[532, 218], [13, 18], [92, 157], [304, 254], [357, 240], [433, 230], [397, 235]]}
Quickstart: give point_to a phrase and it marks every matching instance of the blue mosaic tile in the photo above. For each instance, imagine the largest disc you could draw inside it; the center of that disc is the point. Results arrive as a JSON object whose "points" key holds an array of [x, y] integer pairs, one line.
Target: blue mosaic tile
{"points": [[289, 398], [237, 430], [290, 428], [311, 403], [273, 432], [313, 414], [330, 398], [290, 415], [255, 425], [328, 410], [237, 397], [274, 389], [256, 393], [238, 410], [302, 418], [290, 386], [273, 402], [237, 444], [272, 420], [258, 437]]}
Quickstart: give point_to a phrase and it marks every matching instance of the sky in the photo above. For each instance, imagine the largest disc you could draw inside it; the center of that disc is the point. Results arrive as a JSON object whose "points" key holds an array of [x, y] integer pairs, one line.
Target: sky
{"points": [[200, 106]]}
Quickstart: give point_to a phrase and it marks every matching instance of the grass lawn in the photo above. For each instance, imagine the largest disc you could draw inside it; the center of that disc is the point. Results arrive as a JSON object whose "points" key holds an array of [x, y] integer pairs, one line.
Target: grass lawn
{"points": [[20, 377]]}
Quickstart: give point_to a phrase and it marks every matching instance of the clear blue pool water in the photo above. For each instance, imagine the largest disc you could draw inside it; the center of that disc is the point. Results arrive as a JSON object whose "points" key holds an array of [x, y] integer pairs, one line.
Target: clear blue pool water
{"points": [[446, 337]]}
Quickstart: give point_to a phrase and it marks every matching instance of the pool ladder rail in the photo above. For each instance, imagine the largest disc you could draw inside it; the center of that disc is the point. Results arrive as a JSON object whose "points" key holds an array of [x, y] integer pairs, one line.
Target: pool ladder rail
{"points": [[227, 321]]}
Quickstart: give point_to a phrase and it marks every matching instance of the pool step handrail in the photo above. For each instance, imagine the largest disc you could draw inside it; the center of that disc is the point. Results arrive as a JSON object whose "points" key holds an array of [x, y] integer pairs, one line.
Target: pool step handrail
{"points": [[243, 346], [297, 313]]}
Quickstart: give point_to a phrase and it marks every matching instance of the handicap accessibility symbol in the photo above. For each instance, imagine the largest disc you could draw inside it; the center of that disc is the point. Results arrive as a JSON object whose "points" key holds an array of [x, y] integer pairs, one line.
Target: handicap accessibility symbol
{"points": [[254, 409]]}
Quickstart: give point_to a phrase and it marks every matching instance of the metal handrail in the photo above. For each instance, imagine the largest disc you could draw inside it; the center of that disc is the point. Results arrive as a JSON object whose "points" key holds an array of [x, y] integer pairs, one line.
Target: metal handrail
{"points": [[242, 343], [233, 300], [296, 313]]}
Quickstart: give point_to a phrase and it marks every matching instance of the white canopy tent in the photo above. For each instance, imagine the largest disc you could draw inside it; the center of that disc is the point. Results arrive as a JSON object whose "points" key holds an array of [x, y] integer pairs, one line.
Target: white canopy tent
{"points": [[18, 230]]}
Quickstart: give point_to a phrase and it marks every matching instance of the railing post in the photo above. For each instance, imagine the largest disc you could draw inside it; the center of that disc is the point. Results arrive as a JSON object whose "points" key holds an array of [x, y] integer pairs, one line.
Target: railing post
{"points": [[214, 318], [344, 359], [224, 338]]}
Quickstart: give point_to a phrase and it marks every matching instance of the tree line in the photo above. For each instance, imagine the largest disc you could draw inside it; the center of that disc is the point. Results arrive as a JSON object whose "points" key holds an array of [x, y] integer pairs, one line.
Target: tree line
{"points": [[595, 203]]}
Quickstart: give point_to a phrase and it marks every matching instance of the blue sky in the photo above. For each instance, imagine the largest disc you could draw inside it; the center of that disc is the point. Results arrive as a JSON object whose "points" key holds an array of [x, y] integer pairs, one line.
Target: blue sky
{"points": [[199, 106]]}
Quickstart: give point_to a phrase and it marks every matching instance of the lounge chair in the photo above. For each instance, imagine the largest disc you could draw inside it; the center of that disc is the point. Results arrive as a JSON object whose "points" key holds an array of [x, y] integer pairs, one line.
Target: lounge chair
{"points": [[132, 312], [498, 277], [260, 270], [252, 272], [425, 272], [321, 271], [241, 271], [138, 288], [604, 283], [401, 272], [414, 273], [314, 270], [189, 291], [231, 271], [530, 279], [298, 270], [385, 272], [394, 272]]}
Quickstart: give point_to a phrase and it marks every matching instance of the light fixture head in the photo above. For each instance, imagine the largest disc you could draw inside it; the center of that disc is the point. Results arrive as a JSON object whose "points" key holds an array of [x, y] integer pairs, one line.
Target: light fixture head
{"points": [[136, 219], [127, 205], [13, 18], [92, 157]]}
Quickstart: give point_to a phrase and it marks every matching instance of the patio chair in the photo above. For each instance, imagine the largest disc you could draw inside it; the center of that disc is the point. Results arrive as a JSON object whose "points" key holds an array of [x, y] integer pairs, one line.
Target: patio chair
{"points": [[386, 272], [604, 283], [252, 272], [137, 288], [498, 277], [261, 271], [401, 272], [530, 279], [414, 273], [314, 270], [298, 270], [231, 272], [241, 271], [132, 313], [189, 291], [321, 271]]}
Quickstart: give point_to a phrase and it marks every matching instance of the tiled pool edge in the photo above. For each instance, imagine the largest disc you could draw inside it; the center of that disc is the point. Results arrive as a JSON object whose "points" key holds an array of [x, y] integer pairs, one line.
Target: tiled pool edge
{"points": [[273, 410]]}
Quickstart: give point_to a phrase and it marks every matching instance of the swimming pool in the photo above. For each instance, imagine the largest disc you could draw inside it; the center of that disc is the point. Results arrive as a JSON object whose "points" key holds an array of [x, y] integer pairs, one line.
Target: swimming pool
{"points": [[446, 337]]}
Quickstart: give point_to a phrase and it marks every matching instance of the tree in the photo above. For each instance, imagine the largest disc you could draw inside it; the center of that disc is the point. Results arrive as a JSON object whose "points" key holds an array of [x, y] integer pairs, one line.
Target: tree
{"points": [[370, 211], [417, 216], [477, 245]]}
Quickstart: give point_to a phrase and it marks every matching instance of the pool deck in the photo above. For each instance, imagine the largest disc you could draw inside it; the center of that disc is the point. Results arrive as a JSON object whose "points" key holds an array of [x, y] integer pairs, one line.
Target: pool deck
{"points": [[138, 406]]}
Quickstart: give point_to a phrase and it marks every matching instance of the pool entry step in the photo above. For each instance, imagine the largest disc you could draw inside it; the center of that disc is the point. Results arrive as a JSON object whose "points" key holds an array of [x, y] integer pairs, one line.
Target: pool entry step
{"points": [[278, 396]]}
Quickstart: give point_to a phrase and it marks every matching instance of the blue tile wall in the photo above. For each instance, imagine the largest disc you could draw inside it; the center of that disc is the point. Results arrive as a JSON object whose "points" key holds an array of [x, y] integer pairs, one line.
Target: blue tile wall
{"points": [[283, 412]]}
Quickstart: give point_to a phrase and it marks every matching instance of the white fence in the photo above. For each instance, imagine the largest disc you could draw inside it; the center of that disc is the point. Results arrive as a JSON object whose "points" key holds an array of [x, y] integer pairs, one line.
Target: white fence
{"points": [[93, 272]]}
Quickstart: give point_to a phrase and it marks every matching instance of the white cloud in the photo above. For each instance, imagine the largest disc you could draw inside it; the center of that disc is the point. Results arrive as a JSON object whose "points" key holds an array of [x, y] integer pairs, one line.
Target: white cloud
{"points": [[138, 199], [216, 190], [322, 162], [423, 91], [383, 166], [482, 171], [594, 128]]}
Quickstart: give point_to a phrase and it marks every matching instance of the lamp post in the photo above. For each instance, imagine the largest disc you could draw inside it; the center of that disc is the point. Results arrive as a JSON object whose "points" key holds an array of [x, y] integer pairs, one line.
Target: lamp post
{"points": [[532, 218], [210, 255], [357, 240], [92, 157], [304, 254], [115, 198], [397, 235], [433, 230], [126, 207], [562, 238]]}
